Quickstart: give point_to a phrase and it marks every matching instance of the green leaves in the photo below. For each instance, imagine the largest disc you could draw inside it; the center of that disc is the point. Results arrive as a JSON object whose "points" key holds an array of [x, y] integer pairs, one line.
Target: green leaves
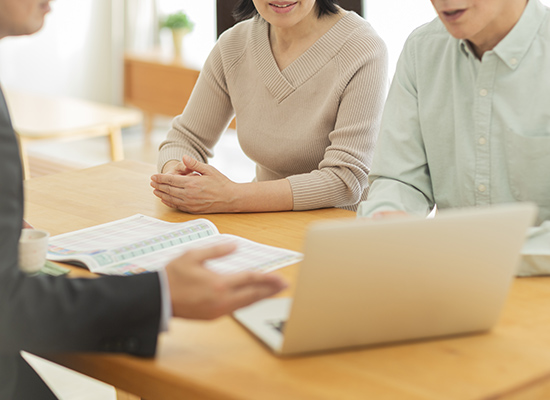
{"points": [[178, 20]]}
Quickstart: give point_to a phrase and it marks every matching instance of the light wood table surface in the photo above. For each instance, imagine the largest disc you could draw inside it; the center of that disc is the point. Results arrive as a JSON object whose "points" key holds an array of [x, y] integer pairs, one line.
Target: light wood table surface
{"points": [[39, 117], [220, 360]]}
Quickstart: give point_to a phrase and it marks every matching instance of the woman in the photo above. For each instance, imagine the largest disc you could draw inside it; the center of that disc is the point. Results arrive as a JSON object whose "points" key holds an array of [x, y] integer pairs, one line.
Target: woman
{"points": [[306, 81]]}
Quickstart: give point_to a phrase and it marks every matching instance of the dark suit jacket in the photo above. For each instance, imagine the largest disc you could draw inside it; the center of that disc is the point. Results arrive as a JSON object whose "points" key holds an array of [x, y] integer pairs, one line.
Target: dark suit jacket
{"points": [[45, 314]]}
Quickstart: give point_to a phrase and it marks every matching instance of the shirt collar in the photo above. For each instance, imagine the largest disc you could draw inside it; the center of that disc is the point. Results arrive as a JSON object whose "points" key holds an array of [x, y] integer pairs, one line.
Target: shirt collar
{"points": [[466, 48], [513, 47]]}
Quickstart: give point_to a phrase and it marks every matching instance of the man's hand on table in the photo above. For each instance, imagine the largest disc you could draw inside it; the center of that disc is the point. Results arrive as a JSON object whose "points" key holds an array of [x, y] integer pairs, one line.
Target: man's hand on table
{"points": [[389, 214]]}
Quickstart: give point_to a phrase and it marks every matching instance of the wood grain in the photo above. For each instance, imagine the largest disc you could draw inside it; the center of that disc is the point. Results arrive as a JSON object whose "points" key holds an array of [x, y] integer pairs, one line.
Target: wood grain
{"points": [[220, 360]]}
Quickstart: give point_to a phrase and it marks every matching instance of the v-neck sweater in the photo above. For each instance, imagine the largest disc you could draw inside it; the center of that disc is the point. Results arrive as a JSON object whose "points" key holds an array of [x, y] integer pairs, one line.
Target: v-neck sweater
{"points": [[314, 123]]}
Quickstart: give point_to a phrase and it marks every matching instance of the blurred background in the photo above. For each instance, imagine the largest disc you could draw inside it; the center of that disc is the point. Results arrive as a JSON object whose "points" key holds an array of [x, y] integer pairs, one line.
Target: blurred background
{"points": [[80, 53]]}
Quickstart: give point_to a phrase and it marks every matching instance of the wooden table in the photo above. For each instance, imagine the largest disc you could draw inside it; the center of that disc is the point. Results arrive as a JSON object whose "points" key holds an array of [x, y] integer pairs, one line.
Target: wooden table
{"points": [[220, 360], [38, 117]]}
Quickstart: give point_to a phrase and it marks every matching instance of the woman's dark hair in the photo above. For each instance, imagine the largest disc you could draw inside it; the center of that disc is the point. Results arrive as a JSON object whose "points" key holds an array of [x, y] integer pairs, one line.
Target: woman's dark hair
{"points": [[245, 9]]}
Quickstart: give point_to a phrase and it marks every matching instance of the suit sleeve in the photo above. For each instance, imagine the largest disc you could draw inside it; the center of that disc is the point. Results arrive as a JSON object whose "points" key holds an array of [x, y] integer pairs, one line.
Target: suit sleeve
{"points": [[54, 314]]}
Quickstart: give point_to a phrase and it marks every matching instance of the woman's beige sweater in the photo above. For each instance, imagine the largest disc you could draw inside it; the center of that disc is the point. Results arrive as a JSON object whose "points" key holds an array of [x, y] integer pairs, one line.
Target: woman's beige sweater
{"points": [[314, 123]]}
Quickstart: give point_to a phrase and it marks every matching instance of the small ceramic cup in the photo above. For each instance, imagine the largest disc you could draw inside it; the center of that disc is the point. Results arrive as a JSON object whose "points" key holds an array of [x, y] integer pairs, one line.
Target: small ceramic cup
{"points": [[33, 247]]}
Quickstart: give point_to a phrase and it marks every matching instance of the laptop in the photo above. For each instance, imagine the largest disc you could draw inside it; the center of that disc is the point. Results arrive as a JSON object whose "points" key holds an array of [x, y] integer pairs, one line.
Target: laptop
{"points": [[368, 282]]}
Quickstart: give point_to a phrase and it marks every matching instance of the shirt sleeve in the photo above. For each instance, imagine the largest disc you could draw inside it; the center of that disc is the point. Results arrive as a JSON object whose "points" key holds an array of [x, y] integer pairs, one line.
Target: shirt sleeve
{"points": [[535, 254], [166, 303], [205, 117], [341, 177], [400, 176]]}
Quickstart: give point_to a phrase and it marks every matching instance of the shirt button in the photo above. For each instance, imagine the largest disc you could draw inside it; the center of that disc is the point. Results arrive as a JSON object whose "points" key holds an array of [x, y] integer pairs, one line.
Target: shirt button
{"points": [[481, 188], [482, 141], [483, 92], [514, 61]]}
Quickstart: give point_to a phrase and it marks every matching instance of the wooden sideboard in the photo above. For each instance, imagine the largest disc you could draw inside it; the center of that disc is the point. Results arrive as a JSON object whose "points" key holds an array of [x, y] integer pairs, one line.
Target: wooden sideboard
{"points": [[157, 84]]}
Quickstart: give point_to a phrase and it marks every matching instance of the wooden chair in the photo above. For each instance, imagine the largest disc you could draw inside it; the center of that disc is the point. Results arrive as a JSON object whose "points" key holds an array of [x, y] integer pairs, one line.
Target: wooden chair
{"points": [[38, 117]]}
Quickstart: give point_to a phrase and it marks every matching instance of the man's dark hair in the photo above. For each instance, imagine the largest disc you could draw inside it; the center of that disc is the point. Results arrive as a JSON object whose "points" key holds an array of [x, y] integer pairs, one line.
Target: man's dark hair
{"points": [[245, 9]]}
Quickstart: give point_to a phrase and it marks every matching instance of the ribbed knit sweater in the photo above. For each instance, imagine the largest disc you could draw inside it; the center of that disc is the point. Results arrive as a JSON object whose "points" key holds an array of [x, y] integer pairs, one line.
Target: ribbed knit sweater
{"points": [[314, 123]]}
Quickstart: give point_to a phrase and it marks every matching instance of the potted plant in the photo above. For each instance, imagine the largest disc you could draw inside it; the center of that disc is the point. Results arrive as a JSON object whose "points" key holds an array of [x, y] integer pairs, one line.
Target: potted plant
{"points": [[180, 25]]}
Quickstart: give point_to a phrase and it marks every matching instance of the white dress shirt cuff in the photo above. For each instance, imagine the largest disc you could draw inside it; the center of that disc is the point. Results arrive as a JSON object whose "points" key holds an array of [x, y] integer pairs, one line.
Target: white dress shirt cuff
{"points": [[166, 303]]}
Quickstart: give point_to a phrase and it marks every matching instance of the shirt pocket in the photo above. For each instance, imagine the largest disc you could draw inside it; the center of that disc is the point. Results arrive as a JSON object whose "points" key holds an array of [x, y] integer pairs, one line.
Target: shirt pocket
{"points": [[528, 158]]}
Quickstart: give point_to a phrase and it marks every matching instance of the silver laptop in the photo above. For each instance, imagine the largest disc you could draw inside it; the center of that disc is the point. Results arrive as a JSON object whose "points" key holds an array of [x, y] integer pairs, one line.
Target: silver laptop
{"points": [[365, 282]]}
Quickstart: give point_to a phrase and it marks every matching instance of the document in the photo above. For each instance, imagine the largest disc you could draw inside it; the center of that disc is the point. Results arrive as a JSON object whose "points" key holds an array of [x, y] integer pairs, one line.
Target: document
{"points": [[139, 244]]}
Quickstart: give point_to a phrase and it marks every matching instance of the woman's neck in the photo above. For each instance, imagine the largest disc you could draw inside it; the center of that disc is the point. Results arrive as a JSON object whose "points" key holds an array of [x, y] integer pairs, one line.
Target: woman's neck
{"points": [[289, 43]]}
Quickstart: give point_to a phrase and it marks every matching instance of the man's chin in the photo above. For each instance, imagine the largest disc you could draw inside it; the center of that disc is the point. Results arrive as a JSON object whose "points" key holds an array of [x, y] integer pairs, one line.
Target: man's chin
{"points": [[32, 28], [456, 33]]}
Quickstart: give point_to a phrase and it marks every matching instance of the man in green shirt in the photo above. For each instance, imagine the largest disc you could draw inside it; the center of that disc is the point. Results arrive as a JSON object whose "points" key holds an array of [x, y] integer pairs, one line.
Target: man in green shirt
{"points": [[467, 119]]}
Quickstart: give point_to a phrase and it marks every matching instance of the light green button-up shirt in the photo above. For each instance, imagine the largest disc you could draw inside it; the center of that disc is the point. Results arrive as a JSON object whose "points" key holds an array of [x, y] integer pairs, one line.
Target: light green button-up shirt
{"points": [[461, 132]]}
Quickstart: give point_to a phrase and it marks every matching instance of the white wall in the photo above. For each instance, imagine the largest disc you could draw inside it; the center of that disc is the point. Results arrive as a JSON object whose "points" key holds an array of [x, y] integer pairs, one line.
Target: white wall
{"points": [[71, 55], [79, 51], [394, 20], [198, 44]]}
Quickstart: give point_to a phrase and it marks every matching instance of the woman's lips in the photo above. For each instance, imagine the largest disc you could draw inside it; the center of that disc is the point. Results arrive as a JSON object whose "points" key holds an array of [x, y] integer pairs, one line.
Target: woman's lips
{"points": [[282, 7]]}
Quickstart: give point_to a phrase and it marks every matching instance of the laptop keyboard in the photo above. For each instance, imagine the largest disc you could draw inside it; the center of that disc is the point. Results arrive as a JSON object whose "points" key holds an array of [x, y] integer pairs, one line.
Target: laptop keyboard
{"points": [[278, 324]]}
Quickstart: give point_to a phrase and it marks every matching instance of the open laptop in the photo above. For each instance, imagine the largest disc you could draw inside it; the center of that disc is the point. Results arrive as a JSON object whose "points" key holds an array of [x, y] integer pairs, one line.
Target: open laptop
{"points": [[366, 282]]}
